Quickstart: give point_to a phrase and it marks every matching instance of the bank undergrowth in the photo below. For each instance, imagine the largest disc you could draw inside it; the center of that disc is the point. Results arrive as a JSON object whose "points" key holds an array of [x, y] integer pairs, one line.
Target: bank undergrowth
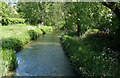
{"points": [[93, 53]]}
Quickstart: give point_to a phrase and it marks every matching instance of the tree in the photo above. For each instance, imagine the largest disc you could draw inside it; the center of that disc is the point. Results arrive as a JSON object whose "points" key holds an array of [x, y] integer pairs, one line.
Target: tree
{"points": [[83, 16], [113, 6], [50, 13]]}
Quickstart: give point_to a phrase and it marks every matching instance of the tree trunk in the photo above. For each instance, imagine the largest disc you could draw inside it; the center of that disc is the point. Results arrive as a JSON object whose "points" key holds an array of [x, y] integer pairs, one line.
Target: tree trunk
{"points": [[117, 12], [78, 30], [78, 26]]}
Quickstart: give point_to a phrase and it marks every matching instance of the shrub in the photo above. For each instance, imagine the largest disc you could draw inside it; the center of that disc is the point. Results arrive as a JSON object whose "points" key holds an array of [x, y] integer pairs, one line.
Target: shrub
{"points": [[9, 55], [15, 43], [89, 58], [11, 43], [46, 29], [34, 33], [7, 21], [14, 15]]}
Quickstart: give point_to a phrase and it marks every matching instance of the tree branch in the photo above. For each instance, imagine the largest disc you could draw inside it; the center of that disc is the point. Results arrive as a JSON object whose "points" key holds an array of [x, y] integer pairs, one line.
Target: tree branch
{"points": [[112, 6]]}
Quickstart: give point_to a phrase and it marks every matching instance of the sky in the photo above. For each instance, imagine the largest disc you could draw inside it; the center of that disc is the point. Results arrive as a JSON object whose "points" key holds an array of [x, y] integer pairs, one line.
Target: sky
{"points": [[12, 2]]}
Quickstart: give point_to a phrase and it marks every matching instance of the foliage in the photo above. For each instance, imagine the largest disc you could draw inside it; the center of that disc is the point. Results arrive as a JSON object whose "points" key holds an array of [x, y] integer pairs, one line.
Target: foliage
{"points": [[83, 16], [13, 43], [49, 13], [90, 57], [9, 15], [94, 53], [73, 16], [34, 34], [114, 6], [3, 67], [7, 21], [46, 29], [10, 57], [14, 15], [6, 10]]}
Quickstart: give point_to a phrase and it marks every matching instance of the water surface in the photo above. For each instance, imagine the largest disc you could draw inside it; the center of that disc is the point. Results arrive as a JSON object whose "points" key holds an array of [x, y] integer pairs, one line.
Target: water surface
{"points": [[44, 57]]}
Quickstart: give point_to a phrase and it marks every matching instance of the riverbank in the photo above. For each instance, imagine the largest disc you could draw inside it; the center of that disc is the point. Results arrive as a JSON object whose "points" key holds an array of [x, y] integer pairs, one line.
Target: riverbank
{"points": [[93, 54], [14, 37]]}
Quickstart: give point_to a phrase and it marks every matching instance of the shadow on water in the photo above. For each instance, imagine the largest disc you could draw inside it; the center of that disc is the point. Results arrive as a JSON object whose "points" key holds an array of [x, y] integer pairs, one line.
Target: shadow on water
{"points": [[43, 57]]}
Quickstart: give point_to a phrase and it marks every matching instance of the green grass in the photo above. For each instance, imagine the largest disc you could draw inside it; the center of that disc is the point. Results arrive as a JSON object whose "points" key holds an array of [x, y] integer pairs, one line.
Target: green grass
{"points": [[14, 37], [92, 54], [14, 30]]}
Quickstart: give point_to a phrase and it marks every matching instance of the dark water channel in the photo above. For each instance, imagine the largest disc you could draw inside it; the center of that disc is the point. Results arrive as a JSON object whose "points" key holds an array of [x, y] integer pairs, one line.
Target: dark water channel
{"points": [[44, 57]]}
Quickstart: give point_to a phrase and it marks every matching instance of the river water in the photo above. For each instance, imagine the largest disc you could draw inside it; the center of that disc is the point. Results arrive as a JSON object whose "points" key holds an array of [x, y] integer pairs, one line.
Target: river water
{"points": [[44, 57]]}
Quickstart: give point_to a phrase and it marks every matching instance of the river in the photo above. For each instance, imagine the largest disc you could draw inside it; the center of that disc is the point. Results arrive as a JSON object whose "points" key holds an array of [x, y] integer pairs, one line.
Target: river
{"points": [[44, 57]]}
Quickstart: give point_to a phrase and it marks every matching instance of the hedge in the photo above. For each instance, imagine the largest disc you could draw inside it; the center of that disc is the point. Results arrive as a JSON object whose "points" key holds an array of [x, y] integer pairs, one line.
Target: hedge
{"points": [[7, 21]]}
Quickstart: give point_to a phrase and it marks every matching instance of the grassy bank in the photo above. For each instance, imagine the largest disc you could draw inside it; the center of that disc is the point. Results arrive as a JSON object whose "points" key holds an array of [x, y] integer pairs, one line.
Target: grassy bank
{"points": [[93, 54], [14, 37]]}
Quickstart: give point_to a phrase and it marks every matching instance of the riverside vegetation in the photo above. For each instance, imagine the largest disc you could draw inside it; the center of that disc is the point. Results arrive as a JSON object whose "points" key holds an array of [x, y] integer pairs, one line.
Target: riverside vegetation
{"points": [[90, 39], [14, 37], [15, 33], [90, 56]]}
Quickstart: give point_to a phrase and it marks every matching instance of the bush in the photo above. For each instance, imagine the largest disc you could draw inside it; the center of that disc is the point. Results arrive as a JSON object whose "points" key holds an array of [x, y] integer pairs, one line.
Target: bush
{"points": [[14, 43], [34, 33], [16, 20], [7, 21], [14, 15], [46, 29], [90, 58], [10, 57]]}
